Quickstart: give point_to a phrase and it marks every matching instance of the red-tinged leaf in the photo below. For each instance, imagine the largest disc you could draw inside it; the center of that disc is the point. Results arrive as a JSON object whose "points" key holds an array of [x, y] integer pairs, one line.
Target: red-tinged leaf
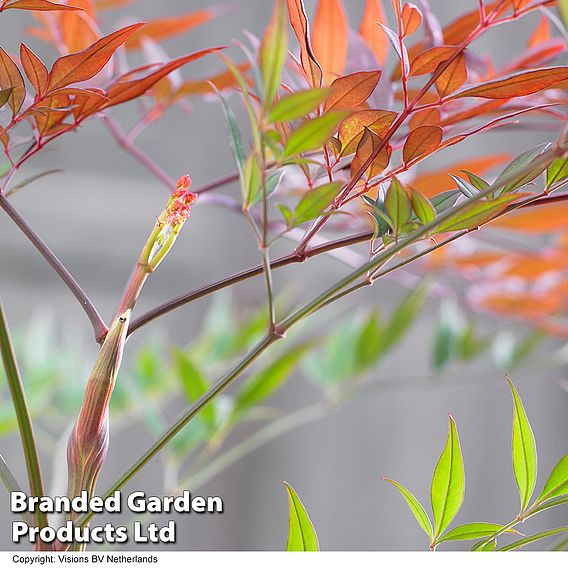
{"points": [[434, 182], [352, 128], [165, 28], [474, 111], [301, 27], [75, 91], [11, 78], [123, 91], [541, 33], [352, 90], [35, 70], [398, 47], [40, 6], [53, 112], [367, 146], [88, 103], [411, 19], [78, 30], [453, 77], [84, 65], [426, 116], [370, 32], [421, 142], [221, 81], [518, 85], [536, 56], [427, 61], [330, 38]]}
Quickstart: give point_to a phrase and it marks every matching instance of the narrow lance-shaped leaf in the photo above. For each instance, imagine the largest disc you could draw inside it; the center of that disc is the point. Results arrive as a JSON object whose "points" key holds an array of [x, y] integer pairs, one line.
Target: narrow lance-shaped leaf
{"points": [[312, 204], [416, 508], [423, 209], [369, 30], [523, 449], [84, 65], [40, 6], [330, 38], [273, 53], [11, 78], [557, 483], [471, 531], [518, 85], [448, 483], [397, 204], [34, 68], [302, 536], [301, 27], [453, 77], [533, 538], [312, 134], [297, 105]]}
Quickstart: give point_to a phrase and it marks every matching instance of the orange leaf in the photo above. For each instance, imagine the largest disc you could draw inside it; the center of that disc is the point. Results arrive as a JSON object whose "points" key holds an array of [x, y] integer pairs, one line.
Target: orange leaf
{"points": [[368, 144], [538, 55], [39, 6], [427, 116], [11, 78], [300, 25], [352, 90], [453, 77], [518, 85], [352, 128], [35, 70], [172, 26], [79, 29], [411, 19], [434, 182], [370, 31], [84, 65], [123, 91], [222, 81], [427, 61], [108, 4], [330, 38], [421, 142], [536, 220], [541, 33]]}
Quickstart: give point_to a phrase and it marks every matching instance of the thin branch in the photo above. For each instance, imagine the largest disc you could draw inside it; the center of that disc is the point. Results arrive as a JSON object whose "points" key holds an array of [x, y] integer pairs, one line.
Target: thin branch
{"points": [[99, 327], [292, 258], [23, 416]]}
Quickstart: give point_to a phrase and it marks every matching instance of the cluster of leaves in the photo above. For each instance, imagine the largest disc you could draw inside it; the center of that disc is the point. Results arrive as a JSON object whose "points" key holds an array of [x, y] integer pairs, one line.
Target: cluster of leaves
{"points": [[447, 495], [448, 486]]}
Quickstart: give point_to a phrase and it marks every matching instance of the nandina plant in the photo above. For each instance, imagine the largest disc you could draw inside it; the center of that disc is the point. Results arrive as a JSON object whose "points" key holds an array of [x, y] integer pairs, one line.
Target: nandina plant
{"points": [[339, 124]]}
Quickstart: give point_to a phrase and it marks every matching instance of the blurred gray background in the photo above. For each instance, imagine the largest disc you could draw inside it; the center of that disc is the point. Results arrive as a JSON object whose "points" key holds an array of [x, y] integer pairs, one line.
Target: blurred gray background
{"points": [[95, 217]]}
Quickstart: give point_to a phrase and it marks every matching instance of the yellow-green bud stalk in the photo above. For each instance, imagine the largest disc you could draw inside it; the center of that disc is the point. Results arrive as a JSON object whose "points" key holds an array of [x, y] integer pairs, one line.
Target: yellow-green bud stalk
{"points": [[161, 239], [88, 443]]}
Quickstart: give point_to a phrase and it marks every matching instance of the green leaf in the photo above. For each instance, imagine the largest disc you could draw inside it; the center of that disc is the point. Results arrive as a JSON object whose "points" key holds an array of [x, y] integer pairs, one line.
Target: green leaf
{"points": [[369, 346], [260, 386], [297, 105], [416, 507], [470, 531], [475, 214], [557, 483], [533, 538], [194, 384], [5, 95], [252, 180], [397, 204], [467, 189], [404, 315], [423, 209], [557, 501], [518, 165], [523, 449], [312, 204], [235, 138], [313, 134], [445, 200], [302, 536], [273, 52], [479, 183], [448, 483], [557, 171]]}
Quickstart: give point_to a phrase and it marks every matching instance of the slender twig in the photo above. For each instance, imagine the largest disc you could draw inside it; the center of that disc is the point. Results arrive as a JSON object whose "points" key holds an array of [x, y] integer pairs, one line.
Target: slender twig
{"points": [[22, 415], [97, 322], [292, 258]]}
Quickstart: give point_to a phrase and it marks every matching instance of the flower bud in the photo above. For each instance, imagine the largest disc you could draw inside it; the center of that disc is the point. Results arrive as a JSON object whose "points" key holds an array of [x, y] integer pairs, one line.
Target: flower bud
{"points": [[88, 443]]}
